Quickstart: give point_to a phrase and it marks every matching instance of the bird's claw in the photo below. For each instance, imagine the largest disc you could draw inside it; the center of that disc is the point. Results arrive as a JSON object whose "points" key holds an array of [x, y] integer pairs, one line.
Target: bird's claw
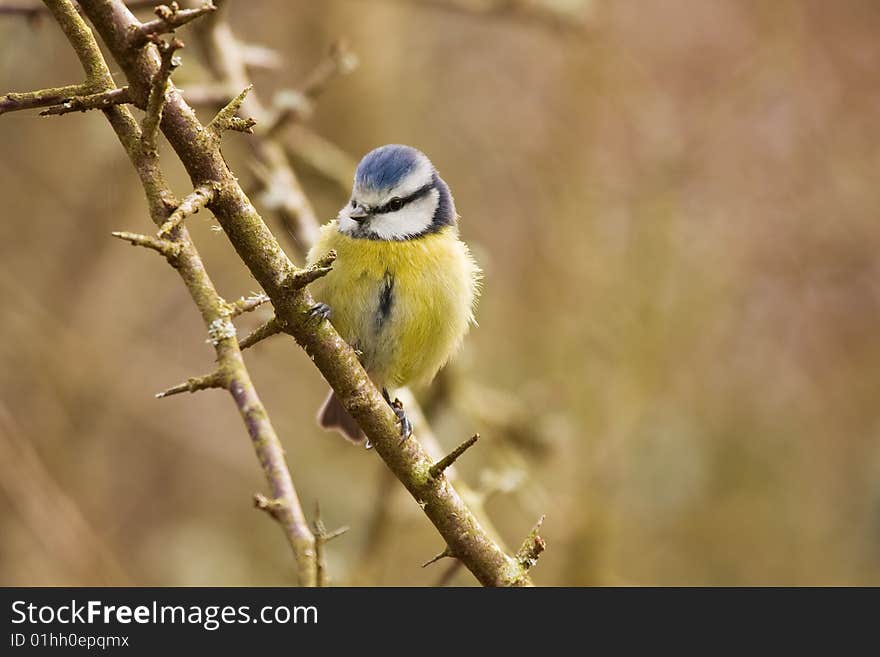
{"points": [[321, 310], [406, 428]]}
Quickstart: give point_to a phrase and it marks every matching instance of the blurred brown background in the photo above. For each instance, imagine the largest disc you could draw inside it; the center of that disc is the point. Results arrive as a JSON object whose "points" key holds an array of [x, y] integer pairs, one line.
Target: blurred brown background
{"points": [[676, 206]]}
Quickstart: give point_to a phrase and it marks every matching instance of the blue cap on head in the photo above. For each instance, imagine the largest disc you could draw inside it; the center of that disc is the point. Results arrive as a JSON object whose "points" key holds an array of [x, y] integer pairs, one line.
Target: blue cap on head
{"points": [[386, 166]]}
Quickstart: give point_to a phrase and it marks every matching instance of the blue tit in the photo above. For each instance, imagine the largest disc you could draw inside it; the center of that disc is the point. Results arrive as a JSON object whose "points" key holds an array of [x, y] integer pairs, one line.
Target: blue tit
{"points": [[403, 288]]}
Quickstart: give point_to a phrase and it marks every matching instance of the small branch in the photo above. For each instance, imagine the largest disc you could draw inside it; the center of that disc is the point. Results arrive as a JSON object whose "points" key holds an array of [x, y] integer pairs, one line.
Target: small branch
{"points": [[302, 277], [158, 91], [322, 537], [226, 118], [194, 201], [247, 304], [272, 507], [98, 101], [194, 384], [168, 18], [336, 360], [13, 101], [532, 547], [267, 330], [446, 553], [437, 469], [167, 248]]}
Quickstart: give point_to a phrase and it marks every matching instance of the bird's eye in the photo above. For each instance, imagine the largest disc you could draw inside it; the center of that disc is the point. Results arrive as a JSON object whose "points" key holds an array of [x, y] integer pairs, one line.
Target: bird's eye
{"points": [[394, 204]]}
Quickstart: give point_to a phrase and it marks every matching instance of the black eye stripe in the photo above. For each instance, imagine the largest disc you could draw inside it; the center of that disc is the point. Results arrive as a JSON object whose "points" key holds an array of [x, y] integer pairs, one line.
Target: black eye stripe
{"points": [[397, 204]]}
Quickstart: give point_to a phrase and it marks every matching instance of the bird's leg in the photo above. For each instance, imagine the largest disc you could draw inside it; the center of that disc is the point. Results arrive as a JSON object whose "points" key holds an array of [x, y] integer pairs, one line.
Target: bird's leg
{"points": [[321, 310], [406, 427]]}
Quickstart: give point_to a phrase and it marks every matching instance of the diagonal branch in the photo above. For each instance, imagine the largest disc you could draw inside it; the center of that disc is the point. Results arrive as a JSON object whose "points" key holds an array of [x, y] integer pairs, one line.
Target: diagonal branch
{"points": [[438, 468], [189, 266], [336, 360]]}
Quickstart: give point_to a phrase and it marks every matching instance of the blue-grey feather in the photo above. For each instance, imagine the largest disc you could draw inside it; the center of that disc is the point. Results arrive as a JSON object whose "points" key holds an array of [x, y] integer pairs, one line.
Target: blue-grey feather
{"points": [[386, 166], [444, 215]]}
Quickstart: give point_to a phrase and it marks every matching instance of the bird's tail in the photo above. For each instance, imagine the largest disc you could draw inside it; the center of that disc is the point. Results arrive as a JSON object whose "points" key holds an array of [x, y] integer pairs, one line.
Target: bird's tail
{"points": [[334, 416]]}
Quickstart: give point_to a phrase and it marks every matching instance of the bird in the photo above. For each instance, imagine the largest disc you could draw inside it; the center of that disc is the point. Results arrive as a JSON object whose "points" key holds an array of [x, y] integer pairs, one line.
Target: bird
{"points": [[403, 288]]}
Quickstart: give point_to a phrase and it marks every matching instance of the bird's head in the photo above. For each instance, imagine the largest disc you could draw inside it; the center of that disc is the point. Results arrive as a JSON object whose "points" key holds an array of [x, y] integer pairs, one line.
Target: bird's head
{"points": [[397, 195]]}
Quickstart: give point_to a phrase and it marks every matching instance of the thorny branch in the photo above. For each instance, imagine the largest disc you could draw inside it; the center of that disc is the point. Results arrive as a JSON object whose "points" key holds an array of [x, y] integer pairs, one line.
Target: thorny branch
{"points": [[231, 373], [199, 151], [222, 54]]}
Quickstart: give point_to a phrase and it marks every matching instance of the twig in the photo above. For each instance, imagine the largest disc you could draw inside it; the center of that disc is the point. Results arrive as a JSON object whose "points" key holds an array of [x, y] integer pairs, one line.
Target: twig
{"points": [[168, 249], [336, 360], [267, 330], [302, 277], [189, 265], [101, 100], [247, 304], [158, 89], [226, 118], [14, 101], [443, 555], [532, 547], [437, 469], [168, 18], [216, 379], [322, 536], [190, 205]]}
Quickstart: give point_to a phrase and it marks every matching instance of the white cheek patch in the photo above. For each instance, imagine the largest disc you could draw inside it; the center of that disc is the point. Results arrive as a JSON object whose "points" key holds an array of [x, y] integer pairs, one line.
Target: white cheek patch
{"points": [[412, 219]]}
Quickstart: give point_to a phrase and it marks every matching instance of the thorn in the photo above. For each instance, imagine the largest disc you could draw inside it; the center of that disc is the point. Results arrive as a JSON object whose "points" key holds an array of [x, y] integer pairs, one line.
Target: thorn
{"points": [[100, 100], [446, 553], [194, 384], [271, 506], [159, 91], [247, 304], [194, 201], [168, 18], [532, 547], [302, 277], [437, 469], [226, 118], [267, 330], [167, 248]]}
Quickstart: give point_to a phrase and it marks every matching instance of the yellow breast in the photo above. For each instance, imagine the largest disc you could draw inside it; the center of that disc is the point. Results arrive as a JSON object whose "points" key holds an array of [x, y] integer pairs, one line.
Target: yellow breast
{"points": [[405, 305]]}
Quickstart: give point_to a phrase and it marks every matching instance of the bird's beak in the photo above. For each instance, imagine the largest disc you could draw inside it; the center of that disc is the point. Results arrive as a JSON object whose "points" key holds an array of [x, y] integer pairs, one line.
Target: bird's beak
{"points": [[359, 213]]}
